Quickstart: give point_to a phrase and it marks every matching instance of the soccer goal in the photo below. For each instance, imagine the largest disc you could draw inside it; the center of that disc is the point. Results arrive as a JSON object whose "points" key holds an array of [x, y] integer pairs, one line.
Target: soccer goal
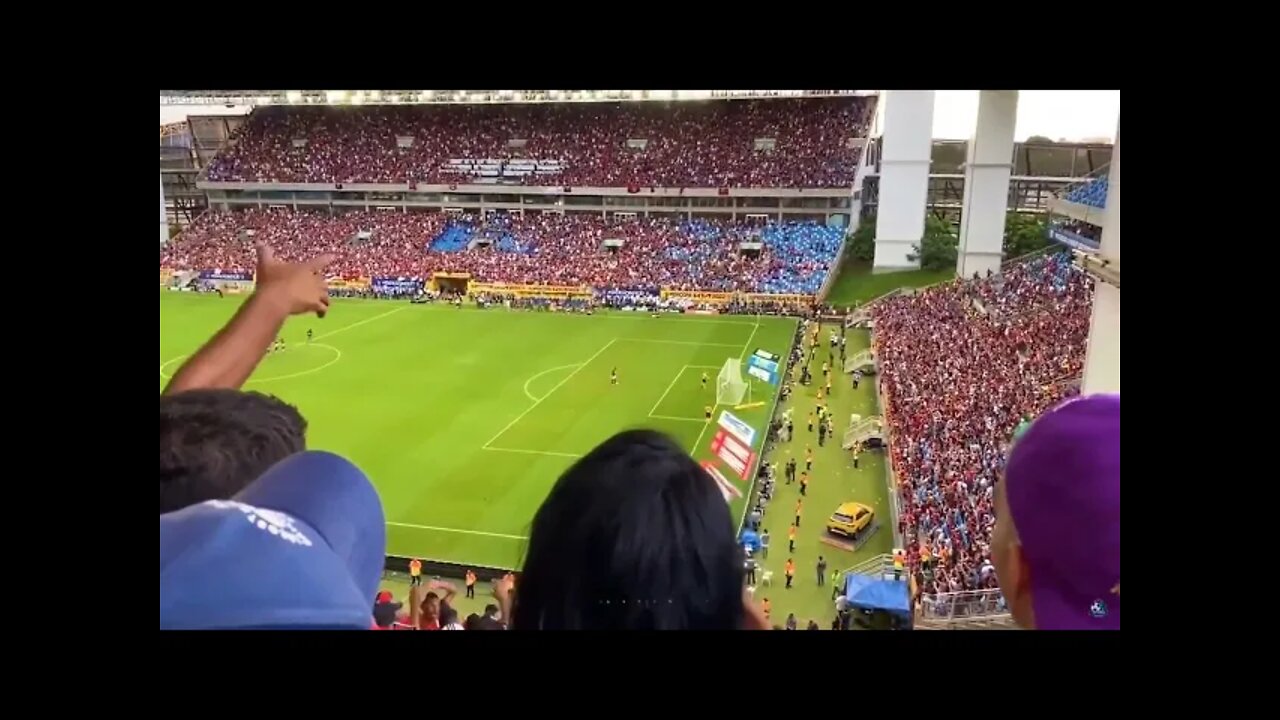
{"points": [[730, 387]]}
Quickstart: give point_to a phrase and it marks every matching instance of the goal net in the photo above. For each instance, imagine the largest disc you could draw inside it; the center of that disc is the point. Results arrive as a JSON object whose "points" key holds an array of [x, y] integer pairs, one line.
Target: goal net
{"points": [[730, 387]]}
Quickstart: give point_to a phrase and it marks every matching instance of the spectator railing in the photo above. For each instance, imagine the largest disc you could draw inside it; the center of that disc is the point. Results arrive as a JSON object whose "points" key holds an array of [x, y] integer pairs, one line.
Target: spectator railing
{"points": [[963, 605]]}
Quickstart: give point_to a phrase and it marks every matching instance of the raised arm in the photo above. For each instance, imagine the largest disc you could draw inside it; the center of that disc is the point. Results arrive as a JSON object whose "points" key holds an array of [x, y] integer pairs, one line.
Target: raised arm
{"points": [[283, 289]]}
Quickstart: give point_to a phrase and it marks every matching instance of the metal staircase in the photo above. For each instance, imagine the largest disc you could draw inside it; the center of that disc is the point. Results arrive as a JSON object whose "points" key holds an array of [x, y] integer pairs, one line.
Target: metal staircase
{"points": [[862, 431], [862, 360]]}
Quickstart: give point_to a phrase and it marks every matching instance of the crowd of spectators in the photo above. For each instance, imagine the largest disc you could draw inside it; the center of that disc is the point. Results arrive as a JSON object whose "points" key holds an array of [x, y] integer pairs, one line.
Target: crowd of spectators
{"points": [[257, 532], [706, 144], [1085, 230], [550, 249], [962, 365]]}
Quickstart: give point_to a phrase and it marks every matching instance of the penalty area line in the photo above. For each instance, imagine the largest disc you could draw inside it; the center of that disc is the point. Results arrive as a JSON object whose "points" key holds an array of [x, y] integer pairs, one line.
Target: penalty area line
{"points": [[459, 531], [550, 453]]}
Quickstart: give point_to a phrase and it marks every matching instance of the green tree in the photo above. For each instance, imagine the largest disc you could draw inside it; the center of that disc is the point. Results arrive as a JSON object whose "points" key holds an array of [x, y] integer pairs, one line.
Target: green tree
{"points": [[937, 249], [861, 245], [1024, 233]]}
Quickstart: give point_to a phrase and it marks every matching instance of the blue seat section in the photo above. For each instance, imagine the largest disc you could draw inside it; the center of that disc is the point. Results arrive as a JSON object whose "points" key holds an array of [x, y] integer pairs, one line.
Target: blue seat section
{"points": [[453, 238], [1093, 193], [800, 254]]}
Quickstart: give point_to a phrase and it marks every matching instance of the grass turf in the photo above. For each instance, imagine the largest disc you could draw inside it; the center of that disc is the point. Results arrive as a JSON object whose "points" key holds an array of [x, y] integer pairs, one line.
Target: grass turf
{"points": [[833, 481], [465, 418], [856, 284]]}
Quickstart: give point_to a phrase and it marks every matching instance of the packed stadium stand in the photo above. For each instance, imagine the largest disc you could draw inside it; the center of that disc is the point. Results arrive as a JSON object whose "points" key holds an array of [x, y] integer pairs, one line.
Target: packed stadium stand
{"points": [[544, 248], [748, 143], [963, 364]]}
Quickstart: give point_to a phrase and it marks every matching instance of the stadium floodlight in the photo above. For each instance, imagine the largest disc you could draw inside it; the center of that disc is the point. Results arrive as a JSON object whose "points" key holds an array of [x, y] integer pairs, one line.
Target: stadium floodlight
{"points": [[294, 96], [426, 95], [731, 388], [635, 94], [393, 98], [335, 96], [358, 98], [375, 94]]}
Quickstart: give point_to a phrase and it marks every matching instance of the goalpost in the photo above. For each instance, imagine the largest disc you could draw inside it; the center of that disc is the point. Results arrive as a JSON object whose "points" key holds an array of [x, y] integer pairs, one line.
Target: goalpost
{"points": [[730, 387]]}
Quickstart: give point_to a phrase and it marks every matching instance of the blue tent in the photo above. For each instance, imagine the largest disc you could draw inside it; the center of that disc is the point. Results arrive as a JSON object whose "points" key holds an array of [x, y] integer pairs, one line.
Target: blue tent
{"points": [[868, 593]]}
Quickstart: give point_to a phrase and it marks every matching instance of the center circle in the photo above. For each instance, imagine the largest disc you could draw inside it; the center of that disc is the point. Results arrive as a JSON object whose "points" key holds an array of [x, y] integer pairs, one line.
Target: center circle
{"points": [[293, 355]]}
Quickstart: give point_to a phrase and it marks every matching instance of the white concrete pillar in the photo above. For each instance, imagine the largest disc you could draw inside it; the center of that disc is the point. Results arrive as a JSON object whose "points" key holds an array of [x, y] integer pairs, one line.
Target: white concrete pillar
{"points": [[164, 217], [1102, 358], [986, 183], [905, 154]]}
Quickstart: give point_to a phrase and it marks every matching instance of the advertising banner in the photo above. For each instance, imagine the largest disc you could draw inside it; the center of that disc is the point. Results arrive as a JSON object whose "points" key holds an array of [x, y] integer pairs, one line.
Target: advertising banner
{"points": [[727, 489], [397, 285], [219, 275], [695, 296], [532, 290], [734, 454], [740, 429]]}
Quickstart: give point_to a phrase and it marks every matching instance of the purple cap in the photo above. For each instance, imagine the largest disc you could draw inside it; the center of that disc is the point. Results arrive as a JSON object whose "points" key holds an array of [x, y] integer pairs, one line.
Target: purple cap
{"points": [[302, 547], [1063, 487]]}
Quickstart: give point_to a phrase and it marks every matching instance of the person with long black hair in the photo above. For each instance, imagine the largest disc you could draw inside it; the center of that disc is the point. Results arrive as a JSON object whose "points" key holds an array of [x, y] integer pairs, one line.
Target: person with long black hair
{"points": [[634, 536]]}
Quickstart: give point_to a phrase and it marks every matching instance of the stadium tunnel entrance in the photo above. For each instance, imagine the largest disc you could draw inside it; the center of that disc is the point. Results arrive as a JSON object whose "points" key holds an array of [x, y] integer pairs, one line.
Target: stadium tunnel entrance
{"points": [[451, 283]]}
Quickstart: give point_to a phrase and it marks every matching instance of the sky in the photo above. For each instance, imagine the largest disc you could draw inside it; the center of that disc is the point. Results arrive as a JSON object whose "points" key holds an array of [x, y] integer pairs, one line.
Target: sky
{"points": [[1071, 115]]}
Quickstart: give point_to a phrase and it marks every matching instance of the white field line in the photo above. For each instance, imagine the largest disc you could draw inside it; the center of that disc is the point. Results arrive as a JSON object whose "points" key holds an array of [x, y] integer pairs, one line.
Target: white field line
{"points": [[533, 452], [672, 417], [544, 372], [715, 407], [679, 342], [773, 409], [321, 336], [345, 328], [566, 379], [459, 531], [666, 392]]}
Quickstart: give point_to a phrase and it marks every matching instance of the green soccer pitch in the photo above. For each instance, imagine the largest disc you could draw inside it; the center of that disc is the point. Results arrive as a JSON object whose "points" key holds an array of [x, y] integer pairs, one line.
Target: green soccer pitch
{"points": [[465, 418]]}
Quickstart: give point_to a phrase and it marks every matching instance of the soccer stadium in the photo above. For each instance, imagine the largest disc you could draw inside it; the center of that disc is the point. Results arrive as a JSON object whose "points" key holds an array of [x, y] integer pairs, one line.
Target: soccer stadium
{"points": [[586, 359]]}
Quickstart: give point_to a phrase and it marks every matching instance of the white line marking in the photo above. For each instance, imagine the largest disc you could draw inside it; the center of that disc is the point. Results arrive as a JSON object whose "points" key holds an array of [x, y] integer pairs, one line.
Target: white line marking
{"points": [[345, 328], [715, 407], [538, 402], [321, 336], [666, 392], [533, 452], [544, 372], [708, 367], [459, 531], [679, 342], [336, 357], [672, 417]]}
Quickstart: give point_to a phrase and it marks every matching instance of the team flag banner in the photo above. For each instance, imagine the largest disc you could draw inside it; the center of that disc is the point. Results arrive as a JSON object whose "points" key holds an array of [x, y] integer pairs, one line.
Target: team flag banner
{"points": [[734, 454], [740, 429], [727, 488]]}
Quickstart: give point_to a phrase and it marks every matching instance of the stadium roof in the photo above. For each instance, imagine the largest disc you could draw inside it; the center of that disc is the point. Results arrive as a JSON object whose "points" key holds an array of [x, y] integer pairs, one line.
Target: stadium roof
{"points": [[393, 97]]}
